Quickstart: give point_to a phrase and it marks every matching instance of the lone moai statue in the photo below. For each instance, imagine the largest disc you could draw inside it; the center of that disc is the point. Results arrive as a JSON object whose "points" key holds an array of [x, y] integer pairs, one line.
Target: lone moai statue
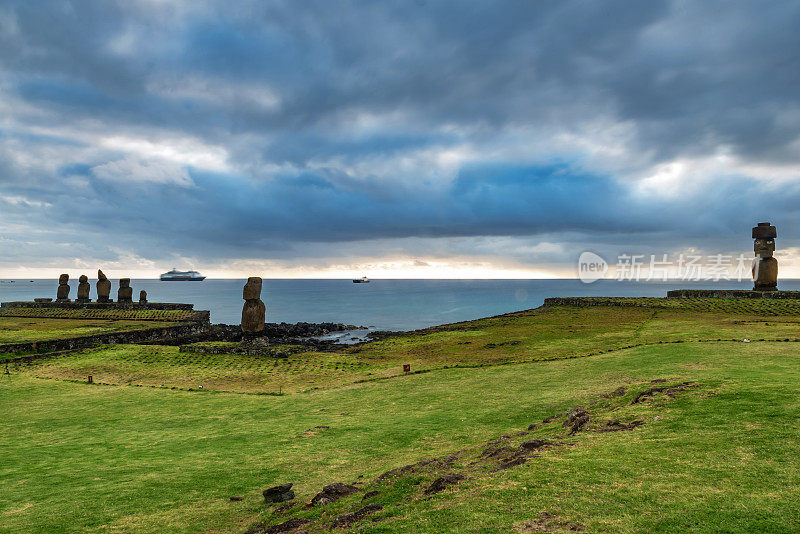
{"points": [[125, 292], [142, 297], [83, 289], [765, 267], [254, 312], [103, 287], [63, 289]]}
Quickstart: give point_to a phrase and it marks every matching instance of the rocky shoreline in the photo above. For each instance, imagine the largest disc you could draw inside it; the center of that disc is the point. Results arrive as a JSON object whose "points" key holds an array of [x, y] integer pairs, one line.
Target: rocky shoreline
{"points": [[301, 333]]}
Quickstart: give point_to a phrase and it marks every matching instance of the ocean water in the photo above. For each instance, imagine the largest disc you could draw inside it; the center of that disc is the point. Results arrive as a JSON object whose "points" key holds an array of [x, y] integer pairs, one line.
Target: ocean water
{"points": [[381, 304]]}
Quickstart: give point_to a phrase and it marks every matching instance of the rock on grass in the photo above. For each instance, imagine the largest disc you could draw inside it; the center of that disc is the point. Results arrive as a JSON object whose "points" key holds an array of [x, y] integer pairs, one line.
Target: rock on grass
{"points": [[333, 492], [443, 481], [279, 493]]}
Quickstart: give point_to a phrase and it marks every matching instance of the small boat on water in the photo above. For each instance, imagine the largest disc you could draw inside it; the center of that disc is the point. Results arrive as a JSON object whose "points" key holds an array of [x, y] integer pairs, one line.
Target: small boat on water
{"points": [[182, 276], [362, 280]]}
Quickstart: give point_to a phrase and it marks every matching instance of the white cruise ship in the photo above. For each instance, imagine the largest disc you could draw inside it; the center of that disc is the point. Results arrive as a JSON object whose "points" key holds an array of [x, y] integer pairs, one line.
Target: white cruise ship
{"points": [[175, 275]]}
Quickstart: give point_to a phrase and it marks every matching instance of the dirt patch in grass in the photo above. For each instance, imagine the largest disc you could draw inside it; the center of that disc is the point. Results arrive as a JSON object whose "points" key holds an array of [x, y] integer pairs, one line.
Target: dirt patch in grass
{"points": [[348, 519], [332, 493], [616, 426], [287, 526], [440, 463], [576, 421], [547, 522], [443, 481], [668, 390]]}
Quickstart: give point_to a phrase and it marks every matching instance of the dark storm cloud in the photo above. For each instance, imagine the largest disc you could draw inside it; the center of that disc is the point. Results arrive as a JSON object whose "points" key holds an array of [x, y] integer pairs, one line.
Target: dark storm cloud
{"points": [[334, 118], [252, 218]]}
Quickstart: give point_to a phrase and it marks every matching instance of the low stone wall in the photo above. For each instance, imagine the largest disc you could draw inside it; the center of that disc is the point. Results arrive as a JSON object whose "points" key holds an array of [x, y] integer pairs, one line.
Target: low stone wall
{"points": [[588, 301], [731, 294], [177, 313], [171, 334], [99, 305]]}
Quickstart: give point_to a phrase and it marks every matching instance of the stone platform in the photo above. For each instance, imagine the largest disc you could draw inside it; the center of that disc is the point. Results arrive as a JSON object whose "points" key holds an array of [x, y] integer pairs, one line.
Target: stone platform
{"points": [[731, 294], [99, 305]]}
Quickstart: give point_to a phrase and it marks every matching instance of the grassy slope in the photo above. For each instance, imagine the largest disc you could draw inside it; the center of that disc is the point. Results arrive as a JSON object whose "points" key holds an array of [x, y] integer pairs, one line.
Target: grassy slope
{"points": [[527, 336], [723, 456], [26, 329]]}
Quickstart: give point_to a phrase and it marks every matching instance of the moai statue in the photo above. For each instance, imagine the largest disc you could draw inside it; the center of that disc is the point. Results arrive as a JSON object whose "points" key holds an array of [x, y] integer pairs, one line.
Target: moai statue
{"points": [[254, 312], [63, 289], [765, 267], [83, 289], [103, 287], [142, 297], [125, 292]]}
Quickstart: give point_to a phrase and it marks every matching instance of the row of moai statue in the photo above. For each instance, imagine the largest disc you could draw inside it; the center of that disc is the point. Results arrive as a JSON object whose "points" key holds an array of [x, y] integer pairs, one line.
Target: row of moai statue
{"points": [[124, 293], [254, 313], [765, 267]]}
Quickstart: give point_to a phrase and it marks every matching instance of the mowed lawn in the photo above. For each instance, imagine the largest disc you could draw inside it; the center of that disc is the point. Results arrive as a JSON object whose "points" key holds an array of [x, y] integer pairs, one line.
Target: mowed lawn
{"points": [[27, 329], [552, 333], [721, 456]]}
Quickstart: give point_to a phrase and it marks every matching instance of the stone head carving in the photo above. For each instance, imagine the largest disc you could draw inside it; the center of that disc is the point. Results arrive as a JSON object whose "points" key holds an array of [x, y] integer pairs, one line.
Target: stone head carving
{"points": [[125, 291], [83, 288], [254, 312], [764, 248], [63, 288], [103, 287], [765, 267], [252, 289]]}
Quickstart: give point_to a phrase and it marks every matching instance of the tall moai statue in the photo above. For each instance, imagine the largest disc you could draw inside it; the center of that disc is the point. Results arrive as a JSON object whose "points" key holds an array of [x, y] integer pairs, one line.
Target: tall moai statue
{"points": [[103, 287], [63, 289], [125, 292], [83, 289], [254, 313], [765, 267], [142, 297]]}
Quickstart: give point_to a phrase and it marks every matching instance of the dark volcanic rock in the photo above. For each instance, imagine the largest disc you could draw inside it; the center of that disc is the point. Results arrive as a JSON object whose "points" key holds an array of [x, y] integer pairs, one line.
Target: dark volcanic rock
{"points": [[443, 481], [511, 462], [440, 463], [620, 391], [369, 495], [671, 391], [277, 334], [576, 421], [348, 519], [286, 526], [616, 426], [279, 493], [535, 444], [333, 492]]}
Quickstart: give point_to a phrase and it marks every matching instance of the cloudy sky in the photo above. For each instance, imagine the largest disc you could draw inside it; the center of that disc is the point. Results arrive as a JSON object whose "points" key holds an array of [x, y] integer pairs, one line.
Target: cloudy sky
{"points": [[395, 139]]}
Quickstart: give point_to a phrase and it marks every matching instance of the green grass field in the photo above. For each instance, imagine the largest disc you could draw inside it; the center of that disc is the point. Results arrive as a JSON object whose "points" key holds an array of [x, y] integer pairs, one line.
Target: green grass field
{"points": [[27, 329], [721, 455]]}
